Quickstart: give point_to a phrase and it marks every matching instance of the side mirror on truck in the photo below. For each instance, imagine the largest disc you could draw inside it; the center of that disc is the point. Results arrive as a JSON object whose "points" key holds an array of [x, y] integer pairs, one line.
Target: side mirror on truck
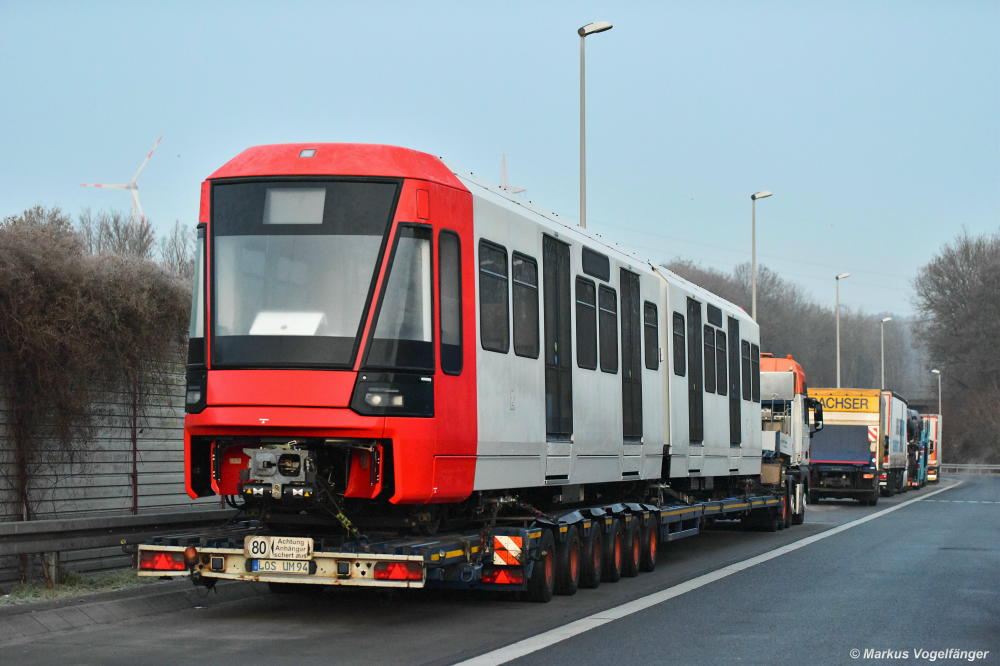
{"points": [[817, 409]]}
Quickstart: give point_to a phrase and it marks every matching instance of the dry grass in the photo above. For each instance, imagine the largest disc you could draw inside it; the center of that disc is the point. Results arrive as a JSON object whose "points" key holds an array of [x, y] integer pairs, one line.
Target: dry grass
{"points": [[74, 585]]}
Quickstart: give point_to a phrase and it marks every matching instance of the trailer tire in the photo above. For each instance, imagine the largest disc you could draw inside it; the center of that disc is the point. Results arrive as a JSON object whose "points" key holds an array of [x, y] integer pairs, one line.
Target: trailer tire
{"points": [[592, 558], [800, 517], [542, 583], [650, 544], [613, 554], [771, 521], [568, 563], [632, 549]]}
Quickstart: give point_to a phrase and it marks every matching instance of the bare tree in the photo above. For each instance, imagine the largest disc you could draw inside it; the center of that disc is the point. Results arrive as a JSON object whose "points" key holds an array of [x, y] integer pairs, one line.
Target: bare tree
{"points": [[114, 232], [958, 293], [177, 251]]}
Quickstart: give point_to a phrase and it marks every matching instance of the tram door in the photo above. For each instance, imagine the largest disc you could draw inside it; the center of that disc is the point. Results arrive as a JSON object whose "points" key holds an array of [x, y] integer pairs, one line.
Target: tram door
{"points": [[558, 341]]}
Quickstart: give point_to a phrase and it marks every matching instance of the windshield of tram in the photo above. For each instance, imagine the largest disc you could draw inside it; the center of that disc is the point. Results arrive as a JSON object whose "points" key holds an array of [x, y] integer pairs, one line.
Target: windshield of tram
{"points": [[292, 266]]}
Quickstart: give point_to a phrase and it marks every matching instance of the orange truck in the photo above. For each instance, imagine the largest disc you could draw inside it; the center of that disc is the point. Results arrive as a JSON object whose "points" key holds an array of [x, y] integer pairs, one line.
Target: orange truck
{"points": [[932, 433]]}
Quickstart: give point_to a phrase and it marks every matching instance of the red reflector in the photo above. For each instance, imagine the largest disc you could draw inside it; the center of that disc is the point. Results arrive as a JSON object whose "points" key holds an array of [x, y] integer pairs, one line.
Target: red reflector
{"points": [[505, 576], [399, 571], [161, 561], [867, 476]]}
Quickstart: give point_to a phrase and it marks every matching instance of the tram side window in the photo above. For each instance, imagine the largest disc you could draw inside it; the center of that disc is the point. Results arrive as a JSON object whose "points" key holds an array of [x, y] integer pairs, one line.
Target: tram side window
{"points": [[745, 352], [755, 373], [608, 322], [450, 276], [586, 324], [680, 359], [722, 376], [710, 375], [524, 271], [651, 336], [494, 317]]}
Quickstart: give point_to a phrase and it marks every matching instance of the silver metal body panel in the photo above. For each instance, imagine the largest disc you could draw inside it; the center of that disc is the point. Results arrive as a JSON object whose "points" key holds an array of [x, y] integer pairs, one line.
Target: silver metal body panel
{"points": [[512, 447]]}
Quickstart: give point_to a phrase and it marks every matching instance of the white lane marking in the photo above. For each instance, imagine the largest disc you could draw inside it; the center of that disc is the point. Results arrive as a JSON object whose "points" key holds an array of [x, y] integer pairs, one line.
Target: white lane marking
{"points": [[967, 501], [559, 634]]}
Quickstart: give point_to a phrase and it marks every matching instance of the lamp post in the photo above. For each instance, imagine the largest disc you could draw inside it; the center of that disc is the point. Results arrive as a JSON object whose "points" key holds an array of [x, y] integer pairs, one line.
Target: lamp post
{"points": [[753, 249], [882, 326], [589, 29], [938, 373], [838, 278]]}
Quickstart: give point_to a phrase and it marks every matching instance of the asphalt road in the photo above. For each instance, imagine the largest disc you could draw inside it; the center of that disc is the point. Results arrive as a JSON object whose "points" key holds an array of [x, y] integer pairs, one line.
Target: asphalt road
{"points": [[926, 576]]}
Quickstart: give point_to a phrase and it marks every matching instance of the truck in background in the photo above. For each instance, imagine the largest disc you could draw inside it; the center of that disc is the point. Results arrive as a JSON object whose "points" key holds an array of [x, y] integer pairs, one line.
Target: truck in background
{"points": [[893, 474], [787, 427], [916, 451], [846, 455], [932, 435]]}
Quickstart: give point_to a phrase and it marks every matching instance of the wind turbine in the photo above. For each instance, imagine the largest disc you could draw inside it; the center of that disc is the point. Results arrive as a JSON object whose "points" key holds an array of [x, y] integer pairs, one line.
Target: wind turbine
{"points": [[132, 186], [504, 185]]}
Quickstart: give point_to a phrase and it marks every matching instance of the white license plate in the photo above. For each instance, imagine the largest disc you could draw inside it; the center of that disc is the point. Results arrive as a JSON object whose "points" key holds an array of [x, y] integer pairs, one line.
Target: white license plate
{"points": [[278, 548], [280, 566]]}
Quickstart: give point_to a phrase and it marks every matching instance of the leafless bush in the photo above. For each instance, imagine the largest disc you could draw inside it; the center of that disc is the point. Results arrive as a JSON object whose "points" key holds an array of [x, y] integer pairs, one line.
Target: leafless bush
{"points": [[71, 323]]}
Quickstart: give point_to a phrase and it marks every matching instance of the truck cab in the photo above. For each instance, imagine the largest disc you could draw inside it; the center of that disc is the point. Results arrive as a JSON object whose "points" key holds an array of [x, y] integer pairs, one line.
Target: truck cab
{"points": [[789, 417]]}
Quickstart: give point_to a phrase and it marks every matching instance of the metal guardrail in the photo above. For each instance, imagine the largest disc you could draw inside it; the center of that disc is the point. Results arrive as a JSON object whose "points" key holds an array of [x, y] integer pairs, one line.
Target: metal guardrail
{"points": [[52, 536], [969, 468]]}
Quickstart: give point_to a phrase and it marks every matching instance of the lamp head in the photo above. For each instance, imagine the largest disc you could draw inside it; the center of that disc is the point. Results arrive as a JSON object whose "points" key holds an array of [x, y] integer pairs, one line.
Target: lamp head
{"points": [[936, 371], [594, 28], [885, 319], [843, 275], [763, 194]]}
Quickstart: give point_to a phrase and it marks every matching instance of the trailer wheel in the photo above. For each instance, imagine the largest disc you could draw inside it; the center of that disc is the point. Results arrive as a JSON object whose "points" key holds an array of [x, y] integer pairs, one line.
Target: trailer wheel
{"points": [[592, 558], [800, 517], [613, 555], [632, 551], [650, 544], [568, 563], [542, 582]]}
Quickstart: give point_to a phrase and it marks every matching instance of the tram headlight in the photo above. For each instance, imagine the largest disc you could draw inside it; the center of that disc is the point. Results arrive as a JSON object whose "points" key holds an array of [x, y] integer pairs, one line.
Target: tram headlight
{"points": [[393, 394], [194, 394]]}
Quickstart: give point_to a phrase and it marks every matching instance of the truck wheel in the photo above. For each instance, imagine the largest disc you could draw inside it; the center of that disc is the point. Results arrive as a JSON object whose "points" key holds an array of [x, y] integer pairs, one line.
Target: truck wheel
{"points": [[632, 552], [542, 582], [650, 544], [800, 517], [613, 554], [873, 500], [591, 558], [568, 563], [770, 520]]}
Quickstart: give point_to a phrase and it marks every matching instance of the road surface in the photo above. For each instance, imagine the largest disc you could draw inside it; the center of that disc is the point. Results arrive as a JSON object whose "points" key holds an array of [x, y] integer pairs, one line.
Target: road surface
{"points": [[925, 576]]}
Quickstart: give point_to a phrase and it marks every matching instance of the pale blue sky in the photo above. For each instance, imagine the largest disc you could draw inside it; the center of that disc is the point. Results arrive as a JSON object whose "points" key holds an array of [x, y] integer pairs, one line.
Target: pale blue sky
{"points": [[876, 124]]}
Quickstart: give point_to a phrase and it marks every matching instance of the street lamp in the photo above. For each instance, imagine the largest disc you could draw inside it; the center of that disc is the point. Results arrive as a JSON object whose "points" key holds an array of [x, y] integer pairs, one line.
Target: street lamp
{"points": [[589, 29], [837, 309], [938, 373], [753, 249], [882, 326]]}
